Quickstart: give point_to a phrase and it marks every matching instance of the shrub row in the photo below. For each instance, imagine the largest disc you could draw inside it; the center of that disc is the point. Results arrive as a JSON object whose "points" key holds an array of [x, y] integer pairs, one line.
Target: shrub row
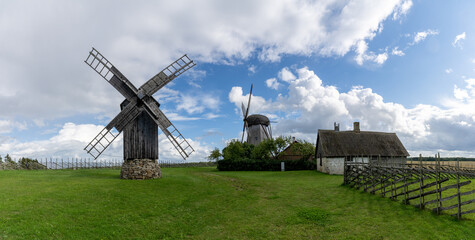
{"points": [[264, 165]]}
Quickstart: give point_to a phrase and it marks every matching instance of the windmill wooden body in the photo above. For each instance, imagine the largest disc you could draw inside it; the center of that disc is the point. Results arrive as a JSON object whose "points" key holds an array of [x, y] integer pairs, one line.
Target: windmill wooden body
{"points": [[256, 126], [138, 119]]}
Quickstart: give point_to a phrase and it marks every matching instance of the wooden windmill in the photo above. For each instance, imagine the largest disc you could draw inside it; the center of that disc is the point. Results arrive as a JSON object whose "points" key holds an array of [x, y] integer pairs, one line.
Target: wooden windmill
{"points": [[256, 126], [140, 114]]}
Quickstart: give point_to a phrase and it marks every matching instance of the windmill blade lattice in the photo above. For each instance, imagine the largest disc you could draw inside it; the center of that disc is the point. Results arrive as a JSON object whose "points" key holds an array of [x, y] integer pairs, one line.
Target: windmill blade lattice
{"points": [[103, 67], [138, 102], [101, 142], [166, 75], [172, 133]]}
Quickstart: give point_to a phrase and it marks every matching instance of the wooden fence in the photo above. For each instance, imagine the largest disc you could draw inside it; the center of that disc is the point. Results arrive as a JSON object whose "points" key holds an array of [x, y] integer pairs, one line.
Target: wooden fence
{"points": [[87, 163], [440, 188]]}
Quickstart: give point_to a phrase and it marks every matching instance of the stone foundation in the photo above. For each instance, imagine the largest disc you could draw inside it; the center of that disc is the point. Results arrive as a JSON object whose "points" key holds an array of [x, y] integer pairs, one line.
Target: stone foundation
{"points": [[140, 169]]}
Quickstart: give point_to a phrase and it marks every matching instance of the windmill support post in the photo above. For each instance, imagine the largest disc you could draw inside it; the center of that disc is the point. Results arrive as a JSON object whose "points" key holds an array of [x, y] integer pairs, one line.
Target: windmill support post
{"points": [[140, 149]]}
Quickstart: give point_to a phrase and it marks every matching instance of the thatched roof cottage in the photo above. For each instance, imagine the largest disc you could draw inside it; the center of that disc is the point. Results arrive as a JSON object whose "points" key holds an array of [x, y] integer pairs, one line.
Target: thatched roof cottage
{"points": [[334, 146]]}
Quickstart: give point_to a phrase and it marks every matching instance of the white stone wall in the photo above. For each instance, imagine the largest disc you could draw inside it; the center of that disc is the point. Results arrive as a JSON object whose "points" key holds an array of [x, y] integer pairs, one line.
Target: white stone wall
{"points": [[361, 159], [331, 165]]}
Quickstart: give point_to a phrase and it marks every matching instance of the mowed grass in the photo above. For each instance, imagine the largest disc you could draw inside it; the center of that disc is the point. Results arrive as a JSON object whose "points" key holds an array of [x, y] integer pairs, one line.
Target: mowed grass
{"points": [[203, 203]]}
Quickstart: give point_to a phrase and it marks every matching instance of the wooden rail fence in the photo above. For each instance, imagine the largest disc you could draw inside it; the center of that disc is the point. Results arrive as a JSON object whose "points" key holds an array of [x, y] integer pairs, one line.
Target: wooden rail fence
{"points": [[86, 163], [440, 188]]}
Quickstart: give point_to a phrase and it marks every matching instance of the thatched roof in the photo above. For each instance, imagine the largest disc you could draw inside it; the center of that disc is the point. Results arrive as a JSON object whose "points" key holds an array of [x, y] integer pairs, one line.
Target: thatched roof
{"points": [[332, 143]]}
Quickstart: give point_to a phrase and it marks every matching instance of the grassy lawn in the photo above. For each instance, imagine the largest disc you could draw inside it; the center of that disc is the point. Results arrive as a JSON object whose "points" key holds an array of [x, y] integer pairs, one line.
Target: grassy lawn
{"points": [[203, 203]]}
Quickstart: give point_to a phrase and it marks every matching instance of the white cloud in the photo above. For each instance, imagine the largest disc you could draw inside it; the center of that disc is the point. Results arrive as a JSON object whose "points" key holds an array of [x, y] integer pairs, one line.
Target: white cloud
{"points": [[7, 126], [72, 138], [258, 104], [363, 55], [195, 76], [272, 83], [381, 58], [252, 69], [41, 54], [420, 36], [396, 51], [460, 94], [309, 105], [286, 75], [193, 104], [449, 70], [458, 40], [402, 9]]}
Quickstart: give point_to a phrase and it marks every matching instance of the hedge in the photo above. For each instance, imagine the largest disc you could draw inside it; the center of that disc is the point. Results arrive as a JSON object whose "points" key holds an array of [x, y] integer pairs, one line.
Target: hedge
{"points": [[264, 165]]}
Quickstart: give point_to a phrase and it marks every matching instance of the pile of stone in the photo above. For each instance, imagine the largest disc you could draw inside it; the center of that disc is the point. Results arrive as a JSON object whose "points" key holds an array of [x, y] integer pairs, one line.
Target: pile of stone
{"points": [[140, 169]]}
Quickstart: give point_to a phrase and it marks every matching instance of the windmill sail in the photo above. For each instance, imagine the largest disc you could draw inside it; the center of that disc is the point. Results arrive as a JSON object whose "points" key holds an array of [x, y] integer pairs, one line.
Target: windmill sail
{"points": [[174, 70], [103, 67], [172, 133], [138, 101], [245, 112], [112, 130]]}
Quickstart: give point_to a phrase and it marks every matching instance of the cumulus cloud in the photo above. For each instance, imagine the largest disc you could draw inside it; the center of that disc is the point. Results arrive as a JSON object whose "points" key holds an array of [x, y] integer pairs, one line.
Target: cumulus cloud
{"points": [[421, 36], [272, 83], [460, 94], [310, 105], [449, 70], [286, 75], [402, 9], [458, 40], [72, 138], [41, 53]]}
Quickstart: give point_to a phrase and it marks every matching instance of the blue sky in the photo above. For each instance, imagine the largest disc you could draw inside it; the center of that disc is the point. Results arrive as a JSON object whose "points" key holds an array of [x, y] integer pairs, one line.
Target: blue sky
{"points": [[400, 66]]}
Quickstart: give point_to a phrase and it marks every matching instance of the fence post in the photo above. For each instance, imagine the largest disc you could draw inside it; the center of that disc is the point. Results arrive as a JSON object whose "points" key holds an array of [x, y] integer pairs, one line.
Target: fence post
{"points": [[344, 172], [458, 190], [406, 169], [438, 186], [421, 183]]}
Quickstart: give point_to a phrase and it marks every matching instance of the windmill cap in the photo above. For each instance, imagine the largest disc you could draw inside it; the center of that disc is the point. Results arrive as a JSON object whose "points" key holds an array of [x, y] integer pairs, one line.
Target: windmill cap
{"points": [[257, 119]]}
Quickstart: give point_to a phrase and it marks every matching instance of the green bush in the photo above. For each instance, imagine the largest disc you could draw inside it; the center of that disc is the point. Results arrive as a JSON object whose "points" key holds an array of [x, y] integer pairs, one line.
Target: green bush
{"points": [[239, 156], [237, 150], [264, 165]]}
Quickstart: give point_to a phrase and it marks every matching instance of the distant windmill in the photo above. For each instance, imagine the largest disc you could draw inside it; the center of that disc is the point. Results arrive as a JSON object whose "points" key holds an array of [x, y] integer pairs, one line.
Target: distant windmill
{"points": [[256, 126], [140, 114]]}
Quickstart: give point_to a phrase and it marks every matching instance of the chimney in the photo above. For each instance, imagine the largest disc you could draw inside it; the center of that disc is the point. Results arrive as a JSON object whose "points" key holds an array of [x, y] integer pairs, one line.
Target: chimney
{"points": [[356, 127], [337, 126]]}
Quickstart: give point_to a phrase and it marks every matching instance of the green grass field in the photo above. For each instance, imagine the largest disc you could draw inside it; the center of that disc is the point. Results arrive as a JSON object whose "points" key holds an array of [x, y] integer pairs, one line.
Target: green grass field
{"points": [[203, 203]]}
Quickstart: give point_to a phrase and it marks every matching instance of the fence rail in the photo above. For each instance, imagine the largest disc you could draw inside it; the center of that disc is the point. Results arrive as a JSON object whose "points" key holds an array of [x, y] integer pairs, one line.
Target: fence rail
{"points": [[85, 163], [440, 188]]}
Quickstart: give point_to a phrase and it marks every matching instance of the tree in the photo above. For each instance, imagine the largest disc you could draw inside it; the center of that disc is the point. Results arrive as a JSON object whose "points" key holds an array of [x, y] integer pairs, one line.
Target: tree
{"points": [[304, 148], [280, 144], [1, 161], [236, 150], [8, 159], [214, 155]]}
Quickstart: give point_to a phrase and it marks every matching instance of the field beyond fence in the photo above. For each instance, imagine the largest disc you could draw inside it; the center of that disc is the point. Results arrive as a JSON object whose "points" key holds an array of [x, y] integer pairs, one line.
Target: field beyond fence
{"points": [[443, 187]]}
